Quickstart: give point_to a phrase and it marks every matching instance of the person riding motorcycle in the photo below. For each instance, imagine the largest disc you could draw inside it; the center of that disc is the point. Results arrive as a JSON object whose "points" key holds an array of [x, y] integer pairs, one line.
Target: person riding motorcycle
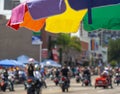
{"points": [[5, 74], [65, 72], [106, 73], [7, 77], [87, 73], [57, 72], [33, 84], [30, 69], [37, 75]]}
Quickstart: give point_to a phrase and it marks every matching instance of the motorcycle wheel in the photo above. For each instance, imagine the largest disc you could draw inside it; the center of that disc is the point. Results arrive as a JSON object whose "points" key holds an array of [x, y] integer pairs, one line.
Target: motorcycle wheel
{"points": [[67, 89], [77, 81], [117, 83], [86, 84], [10, 88], [63, 89], [3, 88], [37, 91], [56, 83], [30, 92]]}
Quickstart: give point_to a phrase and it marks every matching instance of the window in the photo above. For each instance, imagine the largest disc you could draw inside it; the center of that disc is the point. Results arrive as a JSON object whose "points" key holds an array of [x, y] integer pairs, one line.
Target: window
{"points": [[10, 4]]}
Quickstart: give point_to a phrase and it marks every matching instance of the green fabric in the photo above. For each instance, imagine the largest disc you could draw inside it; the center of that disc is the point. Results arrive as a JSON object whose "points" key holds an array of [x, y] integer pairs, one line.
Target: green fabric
{"points": [[103, 17], [37, 33]]}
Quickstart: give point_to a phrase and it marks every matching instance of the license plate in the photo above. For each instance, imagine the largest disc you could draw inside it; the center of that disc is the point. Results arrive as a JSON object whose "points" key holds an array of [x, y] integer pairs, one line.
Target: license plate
{"points": [[99, 82]]}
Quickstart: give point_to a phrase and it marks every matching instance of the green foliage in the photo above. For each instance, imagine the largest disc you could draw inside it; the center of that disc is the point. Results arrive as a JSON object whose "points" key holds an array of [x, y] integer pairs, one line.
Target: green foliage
{"points": [[75, 43], [67, 42], [113, 63], [63, 40], [114, 50]]}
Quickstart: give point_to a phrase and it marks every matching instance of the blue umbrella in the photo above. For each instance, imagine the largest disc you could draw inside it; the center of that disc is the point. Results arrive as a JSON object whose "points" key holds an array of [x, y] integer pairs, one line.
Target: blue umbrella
{"points": [[50, 63], [83, 4], [17, 63], [23, 59], [7, 63]]}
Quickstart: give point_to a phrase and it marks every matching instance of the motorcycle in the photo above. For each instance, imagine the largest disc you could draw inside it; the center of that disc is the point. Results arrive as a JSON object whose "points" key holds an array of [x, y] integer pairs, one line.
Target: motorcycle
{"points": [[6, 85], [33, 86], [64, 83], [103, 82], [117, 79], [56, 80], [78, 78], [85, 80]]}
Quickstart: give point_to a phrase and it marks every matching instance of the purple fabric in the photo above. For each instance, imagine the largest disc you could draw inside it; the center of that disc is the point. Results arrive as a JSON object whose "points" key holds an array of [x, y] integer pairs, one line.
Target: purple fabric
{"points": [[45, 8]]}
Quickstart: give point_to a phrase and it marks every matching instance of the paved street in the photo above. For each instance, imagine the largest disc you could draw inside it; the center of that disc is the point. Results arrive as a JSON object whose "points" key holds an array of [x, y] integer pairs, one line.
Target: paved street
{"points": [[75, 88]]}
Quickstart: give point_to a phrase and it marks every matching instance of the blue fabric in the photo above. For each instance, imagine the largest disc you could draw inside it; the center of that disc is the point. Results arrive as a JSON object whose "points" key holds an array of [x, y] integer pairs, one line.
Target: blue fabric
{"points": [[83, 4]]}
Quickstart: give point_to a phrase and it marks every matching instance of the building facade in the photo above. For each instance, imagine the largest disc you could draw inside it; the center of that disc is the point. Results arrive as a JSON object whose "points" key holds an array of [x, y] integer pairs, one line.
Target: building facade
{"points": [[15, 43]]}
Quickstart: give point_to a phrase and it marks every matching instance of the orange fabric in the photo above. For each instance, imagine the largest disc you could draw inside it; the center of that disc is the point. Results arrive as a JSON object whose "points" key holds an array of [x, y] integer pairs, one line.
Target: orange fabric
{"points": [[31, 24]]}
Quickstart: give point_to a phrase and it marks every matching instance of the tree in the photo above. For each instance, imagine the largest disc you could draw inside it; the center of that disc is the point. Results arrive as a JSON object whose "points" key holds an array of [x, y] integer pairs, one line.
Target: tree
{"points": [[67, 44], [114, 50], [113, 63]]}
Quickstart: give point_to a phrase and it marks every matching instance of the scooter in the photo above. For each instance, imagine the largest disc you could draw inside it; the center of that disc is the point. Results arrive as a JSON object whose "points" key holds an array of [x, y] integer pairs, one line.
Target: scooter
{"points": [[117, 79], [6, 85], [78, 78], [33, 86], [64, 84], [85, 81], [104, 82], [56, 81]]}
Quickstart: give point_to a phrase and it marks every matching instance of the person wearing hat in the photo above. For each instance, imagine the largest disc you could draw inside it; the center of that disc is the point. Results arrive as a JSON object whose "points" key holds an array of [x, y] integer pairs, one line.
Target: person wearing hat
{"points": [[30, 69]]}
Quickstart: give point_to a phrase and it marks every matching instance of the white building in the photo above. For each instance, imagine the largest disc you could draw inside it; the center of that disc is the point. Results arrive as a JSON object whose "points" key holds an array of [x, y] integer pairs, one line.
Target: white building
{"points": [[7, 5], [97, 48]]}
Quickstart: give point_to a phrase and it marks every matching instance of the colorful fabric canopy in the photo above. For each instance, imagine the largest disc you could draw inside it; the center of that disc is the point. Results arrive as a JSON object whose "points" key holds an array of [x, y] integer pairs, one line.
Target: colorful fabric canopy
{"points": [[45, 8], [67, 22], [65, 16], [21, 18], [107, 17]]}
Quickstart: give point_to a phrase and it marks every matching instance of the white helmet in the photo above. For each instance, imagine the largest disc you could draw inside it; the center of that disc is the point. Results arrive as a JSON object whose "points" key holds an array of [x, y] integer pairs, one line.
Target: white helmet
{"points": [[37, 67], [31, 60], [106, 69]]}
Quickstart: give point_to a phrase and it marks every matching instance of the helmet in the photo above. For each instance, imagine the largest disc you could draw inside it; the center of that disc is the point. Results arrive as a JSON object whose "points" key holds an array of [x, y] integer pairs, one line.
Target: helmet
{"points": [[106, 69], [31, 60], [37, 67]]}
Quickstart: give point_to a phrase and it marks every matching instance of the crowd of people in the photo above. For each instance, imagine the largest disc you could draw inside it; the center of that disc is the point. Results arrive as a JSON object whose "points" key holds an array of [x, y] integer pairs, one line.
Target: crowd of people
{"points": [[35, 71]]}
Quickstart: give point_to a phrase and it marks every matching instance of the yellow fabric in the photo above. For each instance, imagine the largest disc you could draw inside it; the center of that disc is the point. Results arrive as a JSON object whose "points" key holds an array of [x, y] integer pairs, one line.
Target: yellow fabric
{"points": [[34, 25], [67, 22]]}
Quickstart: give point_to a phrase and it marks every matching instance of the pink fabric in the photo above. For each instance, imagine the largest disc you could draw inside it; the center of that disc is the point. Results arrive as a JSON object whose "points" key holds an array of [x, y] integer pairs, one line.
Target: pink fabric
{"points": [[18, 14]]}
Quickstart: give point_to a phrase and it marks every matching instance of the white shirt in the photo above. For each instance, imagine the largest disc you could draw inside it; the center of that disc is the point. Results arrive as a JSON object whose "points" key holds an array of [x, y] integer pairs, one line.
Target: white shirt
{"points": [[37, 75]]}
